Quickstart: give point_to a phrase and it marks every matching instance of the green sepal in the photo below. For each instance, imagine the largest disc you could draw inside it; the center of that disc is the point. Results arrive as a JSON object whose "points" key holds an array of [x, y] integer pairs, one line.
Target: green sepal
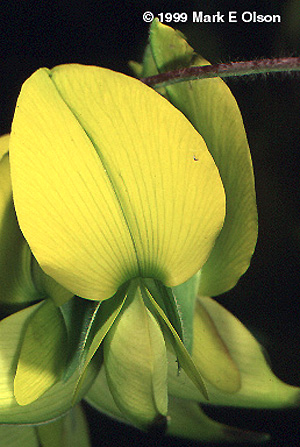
{"points": [[103, 318], [186, 295], [167, 301], [184, 358], [77, 314]]}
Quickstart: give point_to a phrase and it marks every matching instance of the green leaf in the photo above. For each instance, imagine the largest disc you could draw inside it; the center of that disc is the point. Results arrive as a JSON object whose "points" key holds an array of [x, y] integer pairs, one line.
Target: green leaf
{"points": [[184, 358], [54, 402], [69, 431], [42, 356], [135, 362], [211, 108], [260, 388]]}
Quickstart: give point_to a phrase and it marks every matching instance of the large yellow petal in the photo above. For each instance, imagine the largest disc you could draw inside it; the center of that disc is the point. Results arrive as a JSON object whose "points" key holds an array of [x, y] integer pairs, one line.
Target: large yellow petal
{"points": [[110, 181]]}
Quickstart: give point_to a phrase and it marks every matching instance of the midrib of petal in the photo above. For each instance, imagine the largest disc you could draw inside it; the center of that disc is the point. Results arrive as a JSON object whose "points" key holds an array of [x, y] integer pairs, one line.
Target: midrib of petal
{"points": [[106, 169]]}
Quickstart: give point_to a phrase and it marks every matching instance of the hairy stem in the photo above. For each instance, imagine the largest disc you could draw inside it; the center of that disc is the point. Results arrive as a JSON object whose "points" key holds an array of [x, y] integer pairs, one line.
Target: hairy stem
{"points": [[224, 71]]}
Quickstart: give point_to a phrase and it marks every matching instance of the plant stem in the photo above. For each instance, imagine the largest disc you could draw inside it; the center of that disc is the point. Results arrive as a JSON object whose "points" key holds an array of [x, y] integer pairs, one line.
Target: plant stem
{"points": [[224, 71]]}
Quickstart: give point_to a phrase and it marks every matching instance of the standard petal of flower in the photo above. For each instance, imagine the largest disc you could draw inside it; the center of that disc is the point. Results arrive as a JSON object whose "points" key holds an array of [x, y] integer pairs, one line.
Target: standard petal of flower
{"points": [[110, 181], [136, 364], [212, 109], [54, 403], [260, 388]]}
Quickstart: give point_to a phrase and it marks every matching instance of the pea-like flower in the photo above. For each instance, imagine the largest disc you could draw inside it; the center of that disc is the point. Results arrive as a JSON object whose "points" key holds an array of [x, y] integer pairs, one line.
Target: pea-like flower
{"points": [[119, 193]]}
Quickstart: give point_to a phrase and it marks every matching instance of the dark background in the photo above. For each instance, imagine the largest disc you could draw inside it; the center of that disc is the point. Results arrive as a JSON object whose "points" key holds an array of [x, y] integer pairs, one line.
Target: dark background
{"points": [[44, 33]]}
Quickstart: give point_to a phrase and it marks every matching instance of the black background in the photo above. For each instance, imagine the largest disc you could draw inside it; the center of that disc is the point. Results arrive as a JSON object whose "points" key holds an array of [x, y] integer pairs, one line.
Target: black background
{"points": [[34, 34]]}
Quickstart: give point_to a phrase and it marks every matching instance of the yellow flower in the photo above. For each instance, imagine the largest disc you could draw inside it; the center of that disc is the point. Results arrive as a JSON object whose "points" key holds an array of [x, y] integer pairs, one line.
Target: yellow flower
{"points": [[120, 197], [110, 182]]}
